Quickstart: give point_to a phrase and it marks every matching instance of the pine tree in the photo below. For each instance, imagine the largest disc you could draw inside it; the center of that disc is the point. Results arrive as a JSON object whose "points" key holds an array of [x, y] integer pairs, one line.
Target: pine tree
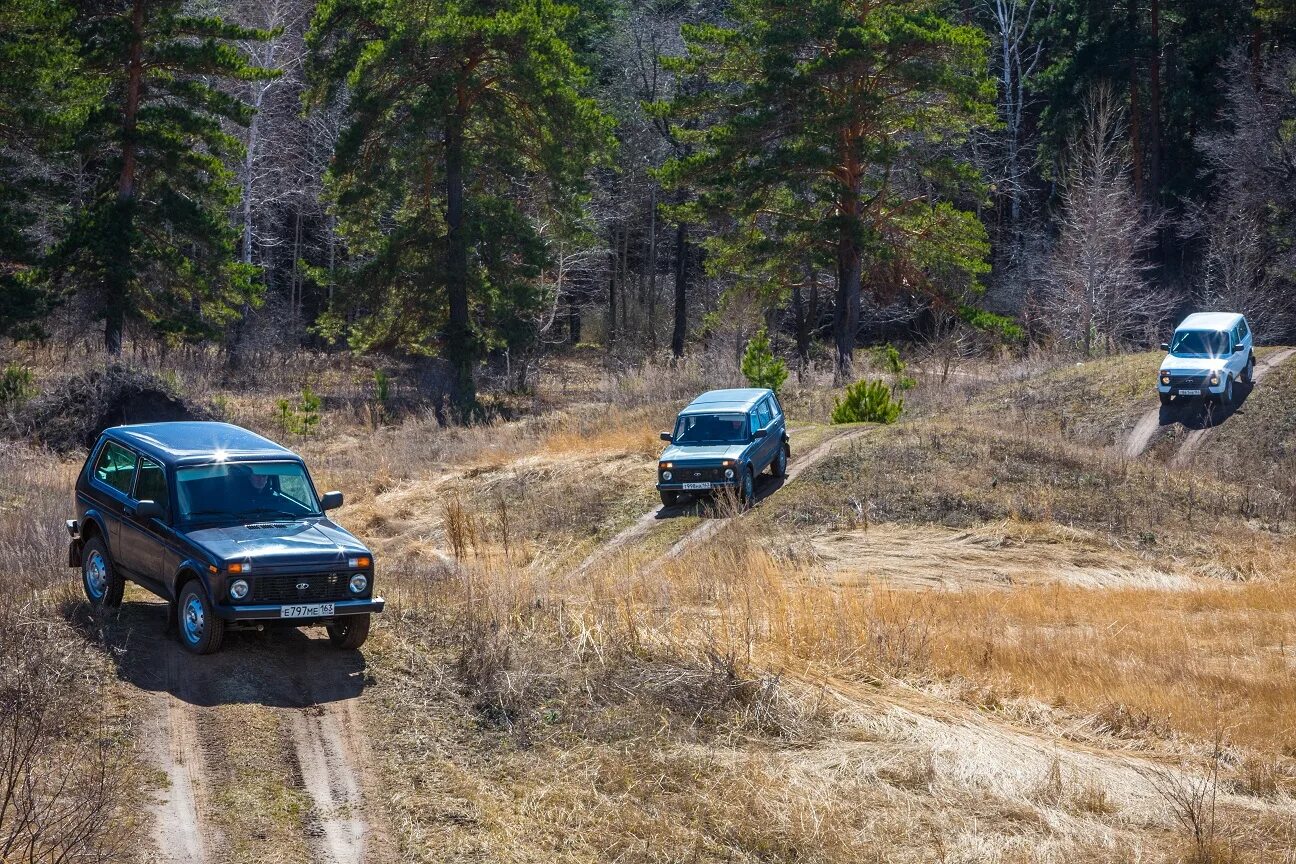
{"points": [[467, 126], [42, 99], [154, 242], [854, 102]]}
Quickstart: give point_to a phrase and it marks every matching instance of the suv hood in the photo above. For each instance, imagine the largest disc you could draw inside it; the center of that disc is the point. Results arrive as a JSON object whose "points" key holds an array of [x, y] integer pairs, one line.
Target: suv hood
{"points": [[713, 453], [1172, 363], [280, 544]]}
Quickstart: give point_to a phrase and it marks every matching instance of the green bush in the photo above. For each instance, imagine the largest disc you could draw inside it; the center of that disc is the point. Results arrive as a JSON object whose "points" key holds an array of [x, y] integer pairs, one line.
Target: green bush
{"points": [[16, 386], [888, 358], [759, 365], [867, 402], [303, 417]]}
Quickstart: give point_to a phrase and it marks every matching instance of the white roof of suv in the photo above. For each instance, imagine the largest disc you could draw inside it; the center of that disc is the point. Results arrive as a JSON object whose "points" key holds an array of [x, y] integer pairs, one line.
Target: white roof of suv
{"points": [[1210, 321]]}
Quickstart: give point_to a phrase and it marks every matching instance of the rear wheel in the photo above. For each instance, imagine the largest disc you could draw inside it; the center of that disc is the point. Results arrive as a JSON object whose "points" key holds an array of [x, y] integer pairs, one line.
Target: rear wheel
{"points": [[669, 498], [201, 632], [349, 632], [779, 466], [103, 587]]}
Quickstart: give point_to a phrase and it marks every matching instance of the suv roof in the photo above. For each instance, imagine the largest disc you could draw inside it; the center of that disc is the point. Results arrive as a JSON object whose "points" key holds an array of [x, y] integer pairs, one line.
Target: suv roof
{"points": [[198, 442], [1210, 321], [741, 399]]}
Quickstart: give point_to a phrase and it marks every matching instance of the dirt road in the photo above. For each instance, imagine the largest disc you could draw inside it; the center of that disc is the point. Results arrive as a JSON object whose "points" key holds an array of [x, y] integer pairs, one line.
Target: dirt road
{"points": [[269, 711], [1140, 437]]}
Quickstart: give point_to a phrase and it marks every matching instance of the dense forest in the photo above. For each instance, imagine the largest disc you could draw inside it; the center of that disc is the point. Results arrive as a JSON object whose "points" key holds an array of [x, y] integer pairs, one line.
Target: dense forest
{"points": [[487, 180]]}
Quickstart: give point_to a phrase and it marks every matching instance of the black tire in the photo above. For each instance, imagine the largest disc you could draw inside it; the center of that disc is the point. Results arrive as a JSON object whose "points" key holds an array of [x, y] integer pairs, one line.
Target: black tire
{"points": [[1226, 398], [779, 466], [1166, 399], [1248, 374], [103, 587], [747, 492], [197, 628], [669, 498], [349, 632]]}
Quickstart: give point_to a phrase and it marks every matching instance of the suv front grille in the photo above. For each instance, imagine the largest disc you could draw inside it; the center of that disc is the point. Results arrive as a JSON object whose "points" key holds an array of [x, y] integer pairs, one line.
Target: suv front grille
{"points": [[1189, 381], [319, 587], [687, 474]]}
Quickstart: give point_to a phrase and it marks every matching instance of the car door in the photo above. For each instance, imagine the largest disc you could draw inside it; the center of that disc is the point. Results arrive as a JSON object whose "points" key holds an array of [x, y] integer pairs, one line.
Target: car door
{"points": [[113, 477], [778, 426], [143, 540], [764, 450]]}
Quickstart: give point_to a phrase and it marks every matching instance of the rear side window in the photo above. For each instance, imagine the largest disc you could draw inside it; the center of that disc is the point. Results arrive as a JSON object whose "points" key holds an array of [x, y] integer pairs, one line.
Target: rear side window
{"points": [[762, 414], [152, 485], [1243, 330], [772, 407], [116, 467]]}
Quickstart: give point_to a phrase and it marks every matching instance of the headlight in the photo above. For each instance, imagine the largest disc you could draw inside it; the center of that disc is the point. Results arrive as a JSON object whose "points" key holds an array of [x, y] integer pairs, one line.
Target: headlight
{"points": [[666, 475], [728, 473], [1214, 378], [359, 582], [239, 589], [1165, 377]]}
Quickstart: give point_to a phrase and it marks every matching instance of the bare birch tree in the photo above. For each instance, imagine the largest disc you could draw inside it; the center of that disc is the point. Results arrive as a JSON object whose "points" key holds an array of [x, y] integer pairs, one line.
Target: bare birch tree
{"points": [[1095, 294]]}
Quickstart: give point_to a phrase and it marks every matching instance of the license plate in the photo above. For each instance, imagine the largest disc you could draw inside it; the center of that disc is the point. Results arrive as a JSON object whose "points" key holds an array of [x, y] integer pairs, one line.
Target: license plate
{"points": [[1189, 392], [694, 486], [309, 610]]}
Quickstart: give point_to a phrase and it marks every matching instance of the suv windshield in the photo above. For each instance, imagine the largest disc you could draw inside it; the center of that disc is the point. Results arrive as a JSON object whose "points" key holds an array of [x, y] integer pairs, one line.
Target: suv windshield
{"points": [[711, 429], [1200, 343], [243, 492]]}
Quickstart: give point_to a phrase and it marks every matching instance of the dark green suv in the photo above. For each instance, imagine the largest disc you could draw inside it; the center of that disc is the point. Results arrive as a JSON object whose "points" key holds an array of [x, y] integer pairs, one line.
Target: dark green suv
{"points": [[723, 439]]}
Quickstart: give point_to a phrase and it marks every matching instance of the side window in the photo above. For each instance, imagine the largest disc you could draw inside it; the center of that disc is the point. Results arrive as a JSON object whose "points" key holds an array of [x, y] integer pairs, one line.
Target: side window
{"points": [[151, 484], [767, 406], [753, 421], [1243, 330], [776, 410], [116, 467]]}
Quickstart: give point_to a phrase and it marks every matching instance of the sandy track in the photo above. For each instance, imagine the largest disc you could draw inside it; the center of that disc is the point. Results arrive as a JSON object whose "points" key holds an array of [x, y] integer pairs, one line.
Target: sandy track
{"points": [[1197, 437], [711, 527], [178, 831], [1145, 430]]}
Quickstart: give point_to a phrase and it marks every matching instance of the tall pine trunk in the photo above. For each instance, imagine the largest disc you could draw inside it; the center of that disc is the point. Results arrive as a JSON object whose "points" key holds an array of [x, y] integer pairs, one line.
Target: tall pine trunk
{"points": [[118, 276], [682, 251], [459, 342], [850, 275]]}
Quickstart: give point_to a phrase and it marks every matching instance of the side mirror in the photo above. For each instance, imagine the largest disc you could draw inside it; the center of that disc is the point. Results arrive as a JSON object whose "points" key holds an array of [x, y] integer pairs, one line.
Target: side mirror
{"points": [[668, 437], [1239, 347], [1165, 346], [148, 510], [331, 501], [760, 433]]}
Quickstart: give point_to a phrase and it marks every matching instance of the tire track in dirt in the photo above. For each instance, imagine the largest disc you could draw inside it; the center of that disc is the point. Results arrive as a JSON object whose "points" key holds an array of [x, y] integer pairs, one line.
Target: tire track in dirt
{"points": [[177, 829], [711, 527], [1197, 437], [328, 745], [642, 526]]}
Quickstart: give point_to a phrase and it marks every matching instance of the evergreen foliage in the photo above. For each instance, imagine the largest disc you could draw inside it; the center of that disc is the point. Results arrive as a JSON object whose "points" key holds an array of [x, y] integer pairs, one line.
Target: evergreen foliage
{"points": [[759, 365], [467, 125], [867, 402], [153, 241]]}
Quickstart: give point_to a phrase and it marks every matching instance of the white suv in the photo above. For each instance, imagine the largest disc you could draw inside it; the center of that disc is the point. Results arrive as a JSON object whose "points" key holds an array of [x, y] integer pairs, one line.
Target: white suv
{"points": [[1209, 352]]}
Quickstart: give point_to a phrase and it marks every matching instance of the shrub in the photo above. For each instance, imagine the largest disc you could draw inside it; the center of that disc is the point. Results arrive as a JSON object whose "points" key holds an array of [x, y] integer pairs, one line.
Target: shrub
{"points": [[759, 365], [888, 358], [867, 402], [16, 386], [303, 417]]}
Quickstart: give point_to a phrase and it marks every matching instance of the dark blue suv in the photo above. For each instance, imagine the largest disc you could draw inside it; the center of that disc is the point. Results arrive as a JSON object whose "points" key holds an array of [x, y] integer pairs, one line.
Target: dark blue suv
{"points": [[226, 526], [723, 439]]}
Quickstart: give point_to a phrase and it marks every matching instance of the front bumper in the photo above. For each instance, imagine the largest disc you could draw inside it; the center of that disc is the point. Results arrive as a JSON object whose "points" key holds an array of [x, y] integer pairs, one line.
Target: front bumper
{"points": [[1176, 388], [678, 485], [274, 611], [74, 545]]}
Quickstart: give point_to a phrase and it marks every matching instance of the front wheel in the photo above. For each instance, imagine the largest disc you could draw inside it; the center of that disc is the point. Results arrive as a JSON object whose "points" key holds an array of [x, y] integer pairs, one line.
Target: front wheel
{"points": [[1226, 398], [201, 632], [1248, 374], [748, 490], [103, 587], [669, 498], [349, 632], [779, 466], [1166, 399]]}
